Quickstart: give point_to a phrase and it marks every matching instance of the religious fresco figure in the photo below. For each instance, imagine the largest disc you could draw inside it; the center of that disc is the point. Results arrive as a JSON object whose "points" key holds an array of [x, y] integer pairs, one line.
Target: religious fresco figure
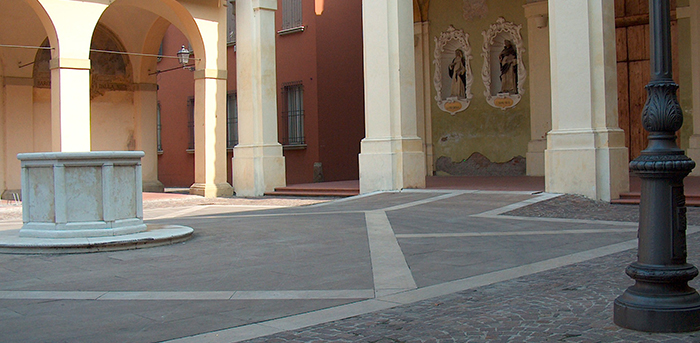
{"points": [[458, 73], [509, 68]]}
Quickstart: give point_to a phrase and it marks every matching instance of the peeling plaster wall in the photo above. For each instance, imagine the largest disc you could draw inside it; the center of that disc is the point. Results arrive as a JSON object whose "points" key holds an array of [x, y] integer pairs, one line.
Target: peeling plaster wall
{"points": [[500, 135]]}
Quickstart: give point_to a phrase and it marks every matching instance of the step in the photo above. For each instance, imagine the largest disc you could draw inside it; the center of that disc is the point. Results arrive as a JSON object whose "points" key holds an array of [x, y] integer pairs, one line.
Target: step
{"points": [[632, 198], [314, 192]]}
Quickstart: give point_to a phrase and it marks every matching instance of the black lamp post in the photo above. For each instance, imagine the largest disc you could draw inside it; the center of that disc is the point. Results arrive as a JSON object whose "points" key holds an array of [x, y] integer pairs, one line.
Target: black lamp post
{"points": [[661, 300]]}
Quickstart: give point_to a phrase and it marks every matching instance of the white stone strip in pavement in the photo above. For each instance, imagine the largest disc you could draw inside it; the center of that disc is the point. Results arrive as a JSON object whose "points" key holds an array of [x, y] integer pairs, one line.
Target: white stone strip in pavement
{"points": [[561, 220], [517, 205], [296, 322], [183, 296], [391, 273], [426, 201], [513, 233], [174, 214]]}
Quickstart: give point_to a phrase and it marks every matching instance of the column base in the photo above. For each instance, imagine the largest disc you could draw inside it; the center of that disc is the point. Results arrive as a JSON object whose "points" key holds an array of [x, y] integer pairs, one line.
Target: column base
{"points": [[587, 162], [210, 190], [390, 165], [535, 157], [671, 313], [258, 169], [153, 186]]}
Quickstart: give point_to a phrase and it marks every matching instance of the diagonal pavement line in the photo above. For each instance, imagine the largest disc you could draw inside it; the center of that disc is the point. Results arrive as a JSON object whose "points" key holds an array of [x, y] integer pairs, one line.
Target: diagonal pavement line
{"points": [[513, 233], [561, 220], [426, 201], [517, 205], [295, 322], [389, 266], [250, 331]]}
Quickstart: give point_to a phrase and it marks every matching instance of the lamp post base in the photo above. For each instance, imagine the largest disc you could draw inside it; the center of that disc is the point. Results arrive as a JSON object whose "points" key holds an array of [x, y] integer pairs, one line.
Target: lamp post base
{"points": [[684, 318], [660, 300]]}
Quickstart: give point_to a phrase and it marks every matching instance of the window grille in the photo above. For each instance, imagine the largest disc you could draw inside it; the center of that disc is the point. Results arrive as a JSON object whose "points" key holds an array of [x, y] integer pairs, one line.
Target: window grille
{"points": [[231, 23], [291, 14], [190, 122], [293, 118], [231, 121], [159, 129]]}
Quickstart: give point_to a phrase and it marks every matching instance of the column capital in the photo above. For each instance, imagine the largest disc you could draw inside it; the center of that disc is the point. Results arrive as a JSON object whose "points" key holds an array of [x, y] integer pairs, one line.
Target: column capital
{"points": [[70, 63], [534, 9], [270, 5], [218, 74]]}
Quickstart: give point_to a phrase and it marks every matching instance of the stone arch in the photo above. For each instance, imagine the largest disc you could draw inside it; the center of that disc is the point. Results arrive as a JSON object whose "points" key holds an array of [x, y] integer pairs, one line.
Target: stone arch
{"points": [[178, 15], [420, 10], [108, 71], [47, 23]]}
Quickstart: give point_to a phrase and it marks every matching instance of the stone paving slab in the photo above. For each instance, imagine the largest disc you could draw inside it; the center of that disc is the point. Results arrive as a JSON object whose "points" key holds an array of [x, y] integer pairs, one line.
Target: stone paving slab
{"points": [[262, 270], [568, 304]]}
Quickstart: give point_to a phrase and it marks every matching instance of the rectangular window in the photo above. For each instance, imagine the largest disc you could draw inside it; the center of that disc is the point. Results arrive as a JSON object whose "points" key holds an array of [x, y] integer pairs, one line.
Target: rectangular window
{"points": [[190, 122], [293, 117], [291, 16], [159, 130], [231, 23], [231, 121]]}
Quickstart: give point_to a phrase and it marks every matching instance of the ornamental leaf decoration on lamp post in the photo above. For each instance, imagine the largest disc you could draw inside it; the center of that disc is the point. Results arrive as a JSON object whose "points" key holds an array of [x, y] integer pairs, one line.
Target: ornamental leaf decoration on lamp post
{"points": [[661, 300]]}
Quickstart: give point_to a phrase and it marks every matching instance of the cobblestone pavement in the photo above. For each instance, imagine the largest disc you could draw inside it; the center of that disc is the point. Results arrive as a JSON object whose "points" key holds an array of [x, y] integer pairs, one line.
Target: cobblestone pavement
{"points": [[568, 304]]}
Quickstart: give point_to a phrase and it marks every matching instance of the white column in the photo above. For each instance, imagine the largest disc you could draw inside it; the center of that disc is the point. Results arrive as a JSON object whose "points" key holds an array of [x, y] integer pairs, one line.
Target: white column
{"points": [[423, 90], [70, 105], [210, 134], [585, 152], [146, 118], [694, 142], [258, 163], [74, 22], [540, 85], [391, 156]]}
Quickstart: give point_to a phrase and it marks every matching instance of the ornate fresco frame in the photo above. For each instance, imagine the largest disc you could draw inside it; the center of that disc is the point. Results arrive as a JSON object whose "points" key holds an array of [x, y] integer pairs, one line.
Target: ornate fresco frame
{"points": [[502, 100], [450, 104]]}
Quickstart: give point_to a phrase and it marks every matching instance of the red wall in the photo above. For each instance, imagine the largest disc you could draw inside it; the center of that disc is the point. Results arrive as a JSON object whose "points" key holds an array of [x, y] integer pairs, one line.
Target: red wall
{"points": [[326, 57], [341, 88], [175, 164]]}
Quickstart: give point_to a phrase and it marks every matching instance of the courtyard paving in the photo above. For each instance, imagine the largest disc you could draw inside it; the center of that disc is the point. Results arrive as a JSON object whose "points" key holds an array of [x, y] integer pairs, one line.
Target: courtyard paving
{"points": [[412, 266]]}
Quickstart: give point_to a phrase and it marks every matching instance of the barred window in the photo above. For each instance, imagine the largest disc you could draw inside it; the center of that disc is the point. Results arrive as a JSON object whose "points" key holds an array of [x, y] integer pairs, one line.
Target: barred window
{"points": [[231, 121], [293, 117], [291, 14], [231, 23], [190, 122]]}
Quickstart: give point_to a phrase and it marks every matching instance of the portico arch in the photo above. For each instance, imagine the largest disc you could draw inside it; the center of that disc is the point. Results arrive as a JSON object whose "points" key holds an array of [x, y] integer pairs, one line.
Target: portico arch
{"points": [[204, 27], [23, 23]]}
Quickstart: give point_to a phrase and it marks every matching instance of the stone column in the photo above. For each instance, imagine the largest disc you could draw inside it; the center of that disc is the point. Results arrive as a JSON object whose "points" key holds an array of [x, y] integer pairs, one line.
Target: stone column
{"points": [[585, 152], [70, 104], [391, 156], [423, 91], [694, 142], [19, 120], [70, 72], [146, 102], [540, 85], [210, 134], [258, 163]]}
